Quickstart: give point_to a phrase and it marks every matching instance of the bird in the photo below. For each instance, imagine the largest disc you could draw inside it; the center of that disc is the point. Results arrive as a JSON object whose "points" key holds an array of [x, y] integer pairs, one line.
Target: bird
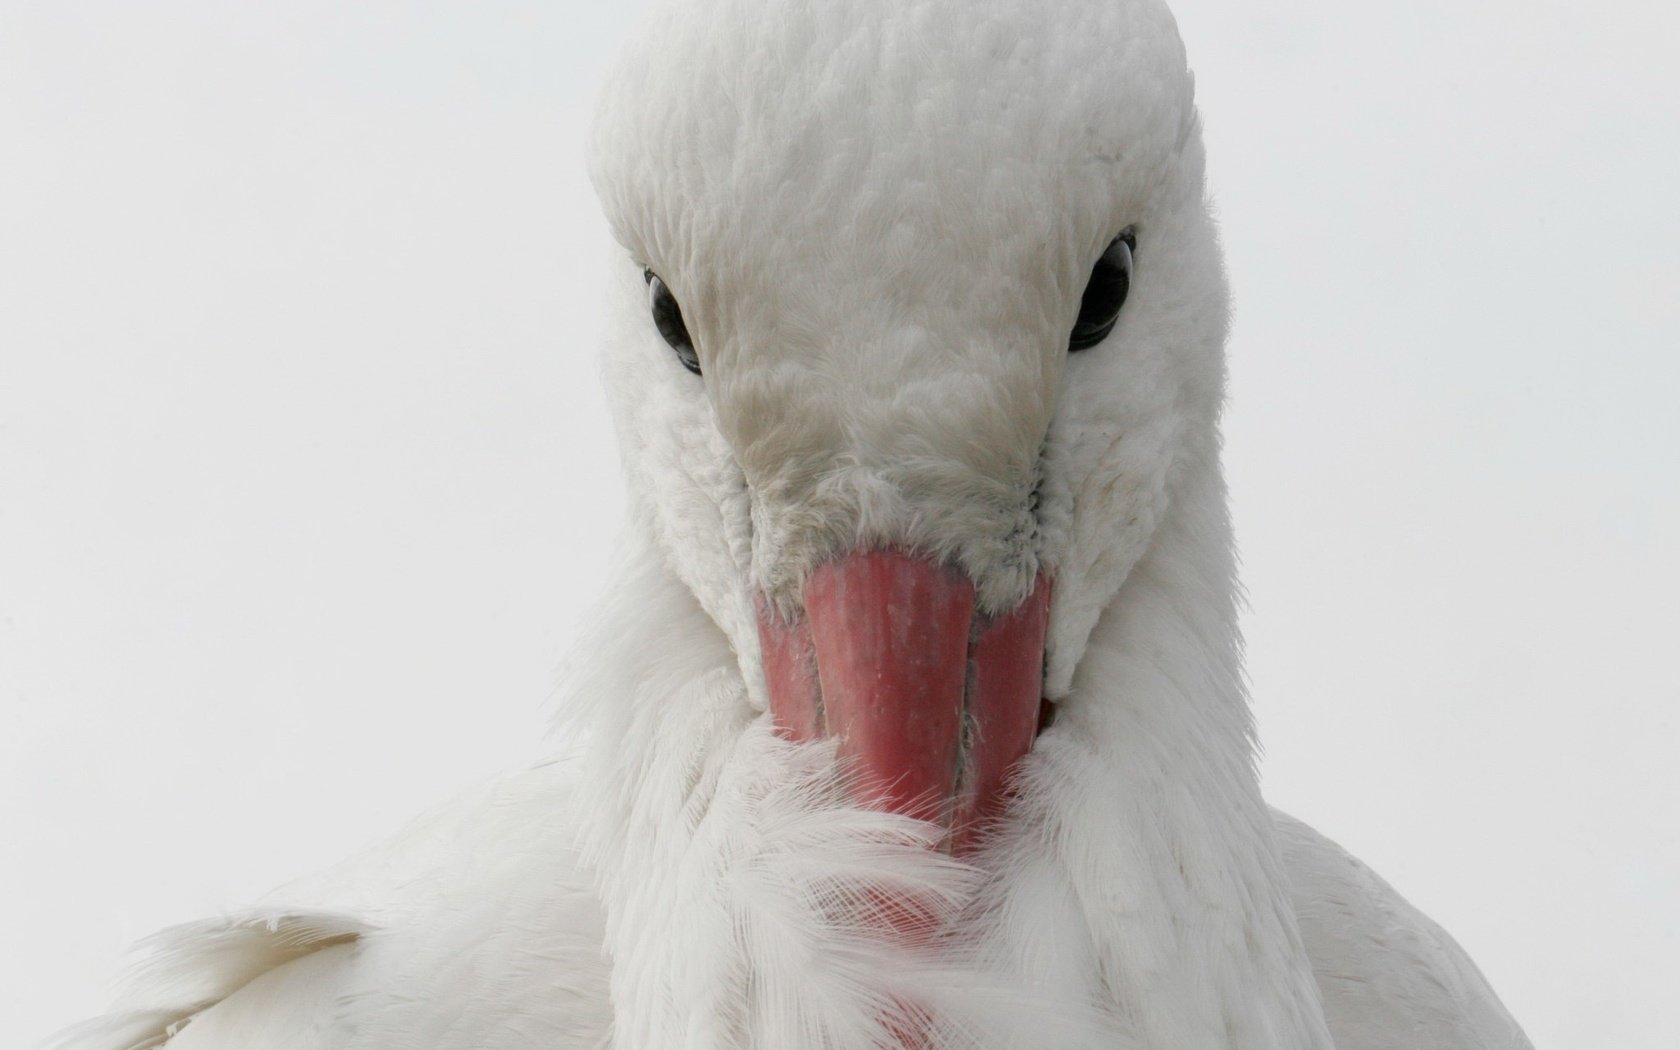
{"points": [[914, 714]]}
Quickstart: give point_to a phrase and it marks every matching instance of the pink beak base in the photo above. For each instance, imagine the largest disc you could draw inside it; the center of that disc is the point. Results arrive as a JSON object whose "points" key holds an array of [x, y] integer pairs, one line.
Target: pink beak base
{"points": [[931, 714]]}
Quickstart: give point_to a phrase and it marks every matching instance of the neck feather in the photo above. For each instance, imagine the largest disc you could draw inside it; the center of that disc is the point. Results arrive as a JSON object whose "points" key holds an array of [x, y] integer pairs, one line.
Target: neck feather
{"points": [[1133, 896]]}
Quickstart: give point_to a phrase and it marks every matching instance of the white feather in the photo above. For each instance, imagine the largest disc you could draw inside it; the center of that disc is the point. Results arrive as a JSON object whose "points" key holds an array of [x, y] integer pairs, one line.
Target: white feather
{"points": [[879, 217]]}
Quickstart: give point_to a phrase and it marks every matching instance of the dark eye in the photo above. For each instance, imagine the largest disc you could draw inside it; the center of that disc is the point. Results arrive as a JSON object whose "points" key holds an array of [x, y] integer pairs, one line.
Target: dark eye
{"points": [[668, 318], [1111, 279]]}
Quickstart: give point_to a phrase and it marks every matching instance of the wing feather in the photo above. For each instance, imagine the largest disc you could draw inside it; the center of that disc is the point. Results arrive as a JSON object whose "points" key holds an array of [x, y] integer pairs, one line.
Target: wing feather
{"points": [[1390, 978]]}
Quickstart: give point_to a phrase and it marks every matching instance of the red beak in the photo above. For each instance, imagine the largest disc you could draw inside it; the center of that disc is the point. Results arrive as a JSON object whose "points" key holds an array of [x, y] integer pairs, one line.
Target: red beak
{"points": [[932, 705]]}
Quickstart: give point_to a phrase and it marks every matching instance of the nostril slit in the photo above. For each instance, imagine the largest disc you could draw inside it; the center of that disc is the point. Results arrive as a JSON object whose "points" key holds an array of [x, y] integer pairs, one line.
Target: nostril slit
{"points": [[970, 727]]}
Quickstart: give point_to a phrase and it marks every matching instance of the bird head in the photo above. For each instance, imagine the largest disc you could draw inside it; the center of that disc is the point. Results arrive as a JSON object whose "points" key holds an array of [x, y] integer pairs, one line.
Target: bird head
{"points": [[918, 315]]}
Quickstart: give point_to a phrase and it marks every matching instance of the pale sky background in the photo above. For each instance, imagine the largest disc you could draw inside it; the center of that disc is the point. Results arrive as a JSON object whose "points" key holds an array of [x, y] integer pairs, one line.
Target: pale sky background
{"points": [[305, 477]]}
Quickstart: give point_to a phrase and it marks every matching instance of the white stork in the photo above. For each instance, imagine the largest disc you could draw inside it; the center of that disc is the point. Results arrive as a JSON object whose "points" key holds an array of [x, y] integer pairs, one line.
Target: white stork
{"points": [[915, 715]]}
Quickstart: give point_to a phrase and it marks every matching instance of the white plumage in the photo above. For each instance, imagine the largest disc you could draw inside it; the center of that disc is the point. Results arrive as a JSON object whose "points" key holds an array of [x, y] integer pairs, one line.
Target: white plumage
{"points": [[878, 217]]}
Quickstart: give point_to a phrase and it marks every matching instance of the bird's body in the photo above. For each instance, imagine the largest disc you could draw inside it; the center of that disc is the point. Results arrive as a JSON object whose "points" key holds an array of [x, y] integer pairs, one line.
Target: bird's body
{"points": [[878, 218], [479, 928]]}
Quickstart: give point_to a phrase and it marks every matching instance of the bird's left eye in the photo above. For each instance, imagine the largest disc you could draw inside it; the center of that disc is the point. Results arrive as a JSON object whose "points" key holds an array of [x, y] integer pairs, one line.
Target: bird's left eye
{"points": [[668, 318], [1105, 294]]}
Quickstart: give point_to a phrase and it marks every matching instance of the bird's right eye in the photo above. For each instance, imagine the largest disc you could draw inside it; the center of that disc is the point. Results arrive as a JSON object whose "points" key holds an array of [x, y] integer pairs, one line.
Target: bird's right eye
{"points": [[668, 318]]}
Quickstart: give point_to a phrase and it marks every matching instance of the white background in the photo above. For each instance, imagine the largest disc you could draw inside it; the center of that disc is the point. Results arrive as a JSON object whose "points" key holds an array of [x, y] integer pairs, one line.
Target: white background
{"points": [[305, 477]]}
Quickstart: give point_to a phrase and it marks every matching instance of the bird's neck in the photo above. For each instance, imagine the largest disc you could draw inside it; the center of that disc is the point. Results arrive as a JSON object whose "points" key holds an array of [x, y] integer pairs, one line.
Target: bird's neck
{"points": [[1141, 817], [1134, 896]]}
